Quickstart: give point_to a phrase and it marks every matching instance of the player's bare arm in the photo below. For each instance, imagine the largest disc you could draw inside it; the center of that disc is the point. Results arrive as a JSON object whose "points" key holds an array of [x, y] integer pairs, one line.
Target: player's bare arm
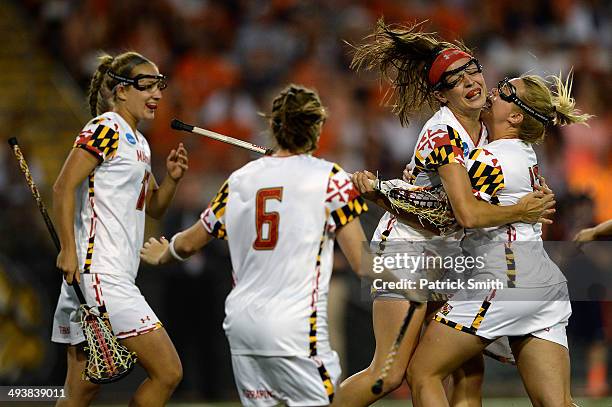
{"points": [[589, 234], [160, 196], [362, 181], [185, 244], [473, 213], [351, 238], [77, 167]]}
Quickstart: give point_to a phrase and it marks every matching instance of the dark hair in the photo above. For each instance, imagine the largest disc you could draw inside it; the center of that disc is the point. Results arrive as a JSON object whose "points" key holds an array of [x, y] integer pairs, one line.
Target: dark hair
{"points": [[100, 95], [403, 56], [295, 120]]}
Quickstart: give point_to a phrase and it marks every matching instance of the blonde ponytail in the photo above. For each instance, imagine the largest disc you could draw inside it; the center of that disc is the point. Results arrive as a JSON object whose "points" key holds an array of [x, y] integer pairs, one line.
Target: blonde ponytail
{"points": [[557, 105], [564, 104]]}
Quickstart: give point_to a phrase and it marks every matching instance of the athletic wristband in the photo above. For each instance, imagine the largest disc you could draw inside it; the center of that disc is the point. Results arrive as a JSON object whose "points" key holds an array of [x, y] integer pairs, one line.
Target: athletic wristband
{"points": [[172, 251]]}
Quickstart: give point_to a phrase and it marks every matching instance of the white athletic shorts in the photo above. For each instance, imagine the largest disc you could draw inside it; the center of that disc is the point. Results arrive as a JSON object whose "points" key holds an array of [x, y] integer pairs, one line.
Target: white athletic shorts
{"points": [[129, 313], [293, 380], [541, 312]]}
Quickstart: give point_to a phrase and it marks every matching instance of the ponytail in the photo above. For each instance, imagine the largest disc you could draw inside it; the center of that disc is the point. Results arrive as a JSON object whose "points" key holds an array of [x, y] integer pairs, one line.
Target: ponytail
{"points": [[93, 95], [100, 96], [403, 56], [564, 104]]}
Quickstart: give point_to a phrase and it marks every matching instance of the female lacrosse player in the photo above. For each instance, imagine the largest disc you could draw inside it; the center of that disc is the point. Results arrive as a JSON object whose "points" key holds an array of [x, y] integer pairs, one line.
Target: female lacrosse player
{"points": [[424, 70], [537, 307], [280, 215], [100, 200]]}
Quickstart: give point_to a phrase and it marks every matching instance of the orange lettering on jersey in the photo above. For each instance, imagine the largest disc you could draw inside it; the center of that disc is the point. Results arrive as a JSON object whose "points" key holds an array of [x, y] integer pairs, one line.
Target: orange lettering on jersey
{"points": [[266, 218]]}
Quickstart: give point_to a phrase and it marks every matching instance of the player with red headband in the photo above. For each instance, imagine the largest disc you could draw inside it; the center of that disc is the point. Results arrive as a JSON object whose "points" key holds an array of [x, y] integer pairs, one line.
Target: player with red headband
{"points": [[425, 70]]}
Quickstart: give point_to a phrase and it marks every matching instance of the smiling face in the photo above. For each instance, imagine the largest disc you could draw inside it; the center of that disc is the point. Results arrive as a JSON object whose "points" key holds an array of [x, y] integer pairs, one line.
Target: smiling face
{"points": [[469, 93], [135, 105]]}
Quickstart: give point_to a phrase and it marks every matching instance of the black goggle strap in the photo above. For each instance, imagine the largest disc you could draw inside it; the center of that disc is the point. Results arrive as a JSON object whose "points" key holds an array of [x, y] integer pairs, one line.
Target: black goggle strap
{"points": [[122, 79], [134, 81], [513, 98]]}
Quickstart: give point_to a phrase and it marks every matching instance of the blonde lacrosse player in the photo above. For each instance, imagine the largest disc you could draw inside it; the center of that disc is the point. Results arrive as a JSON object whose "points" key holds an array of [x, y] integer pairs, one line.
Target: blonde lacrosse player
{"points": [[100, 198], [425, 70], [532, 308], [280, 215]]}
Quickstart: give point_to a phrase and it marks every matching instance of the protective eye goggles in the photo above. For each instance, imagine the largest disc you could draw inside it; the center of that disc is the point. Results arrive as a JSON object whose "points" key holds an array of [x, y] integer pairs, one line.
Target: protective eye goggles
{"points": [[507, 91], [452, 78], [142, 82]]}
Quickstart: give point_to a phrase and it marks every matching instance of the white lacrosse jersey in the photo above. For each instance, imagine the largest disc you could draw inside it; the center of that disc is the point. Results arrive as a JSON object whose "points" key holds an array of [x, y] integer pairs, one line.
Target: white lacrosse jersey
{"points": [[279, 215], [501, 173], [443, 140], [110, 203]]}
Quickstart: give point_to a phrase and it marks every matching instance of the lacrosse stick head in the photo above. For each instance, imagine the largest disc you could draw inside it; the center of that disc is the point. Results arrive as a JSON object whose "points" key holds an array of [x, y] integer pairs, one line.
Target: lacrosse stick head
{"points": [[427, 203], [107, 359]]}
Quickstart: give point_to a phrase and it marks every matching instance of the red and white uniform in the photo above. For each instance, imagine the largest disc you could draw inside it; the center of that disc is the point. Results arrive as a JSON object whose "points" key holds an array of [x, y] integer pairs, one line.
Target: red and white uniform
{"points": [[109, 229], [279, 215], [534, 297], [443, 140]]}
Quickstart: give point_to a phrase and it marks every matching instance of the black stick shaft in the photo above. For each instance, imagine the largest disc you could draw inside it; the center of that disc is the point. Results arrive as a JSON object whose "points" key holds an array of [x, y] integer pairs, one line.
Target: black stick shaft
{"points": [[23, 165], [377, 387]]}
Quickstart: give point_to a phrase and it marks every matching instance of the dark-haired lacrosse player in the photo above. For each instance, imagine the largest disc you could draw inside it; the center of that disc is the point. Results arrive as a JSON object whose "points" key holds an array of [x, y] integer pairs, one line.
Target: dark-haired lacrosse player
{"points": [[424, 70], [280, 215], [532, 308], [100, 200]]}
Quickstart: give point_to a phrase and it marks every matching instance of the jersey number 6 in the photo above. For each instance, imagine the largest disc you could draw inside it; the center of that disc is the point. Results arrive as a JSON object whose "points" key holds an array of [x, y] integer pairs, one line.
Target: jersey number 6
{"points": [[267, 242]]}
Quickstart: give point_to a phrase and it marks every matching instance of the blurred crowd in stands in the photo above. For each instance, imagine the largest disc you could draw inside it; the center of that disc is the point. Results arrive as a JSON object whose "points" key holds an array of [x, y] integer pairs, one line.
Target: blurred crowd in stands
{"points": [[227, 58]]}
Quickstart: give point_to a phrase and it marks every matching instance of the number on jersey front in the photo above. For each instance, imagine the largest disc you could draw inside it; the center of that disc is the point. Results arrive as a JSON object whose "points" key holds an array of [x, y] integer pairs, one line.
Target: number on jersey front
{"points": [[534, 173], [266, 223], [143, 191]]}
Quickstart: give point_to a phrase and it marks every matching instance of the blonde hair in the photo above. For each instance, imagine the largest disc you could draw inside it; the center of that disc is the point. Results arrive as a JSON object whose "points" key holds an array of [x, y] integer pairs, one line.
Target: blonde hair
{"points": [[558, 105], [403, 55], [295, 120], [100, 95]]}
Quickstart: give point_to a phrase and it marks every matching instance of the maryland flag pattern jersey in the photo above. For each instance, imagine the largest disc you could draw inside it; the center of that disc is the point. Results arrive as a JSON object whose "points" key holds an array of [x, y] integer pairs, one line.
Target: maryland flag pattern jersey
{"points": [[501, 173], [110, 204], [442, 141], [279, 215]]}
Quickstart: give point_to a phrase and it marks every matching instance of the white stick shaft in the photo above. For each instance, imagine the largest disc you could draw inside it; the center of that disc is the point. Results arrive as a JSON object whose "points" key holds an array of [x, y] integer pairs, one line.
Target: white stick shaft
{"points": [[229, 140]]}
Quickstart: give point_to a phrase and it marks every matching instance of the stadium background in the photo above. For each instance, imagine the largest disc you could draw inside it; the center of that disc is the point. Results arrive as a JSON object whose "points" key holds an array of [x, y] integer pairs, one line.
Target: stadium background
{"points": [[226, 60]]}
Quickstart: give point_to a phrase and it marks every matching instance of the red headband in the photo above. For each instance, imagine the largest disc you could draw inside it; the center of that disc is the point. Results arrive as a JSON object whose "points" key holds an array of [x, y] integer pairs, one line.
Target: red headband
{"points": [[443, 61]]}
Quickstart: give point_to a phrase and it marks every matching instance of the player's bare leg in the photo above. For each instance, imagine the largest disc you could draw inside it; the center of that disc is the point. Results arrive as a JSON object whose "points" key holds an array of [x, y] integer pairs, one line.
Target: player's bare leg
{"points": [[387, 315], [467, 383], [442, 351], [464, 387], [158, 357], [79, 392], [545, 369]]}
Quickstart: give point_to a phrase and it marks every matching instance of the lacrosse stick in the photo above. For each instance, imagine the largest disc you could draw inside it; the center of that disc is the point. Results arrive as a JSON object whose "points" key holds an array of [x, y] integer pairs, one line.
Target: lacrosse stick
{"points": [[428, 204], [377, 387], [107, 359], [179, 125]]}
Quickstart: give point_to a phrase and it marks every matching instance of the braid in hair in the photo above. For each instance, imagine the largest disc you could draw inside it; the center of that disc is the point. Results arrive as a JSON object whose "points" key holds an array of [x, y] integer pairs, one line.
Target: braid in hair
{"points": [[403, 55], [296, 116], [101, 88], [93, 95]]}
